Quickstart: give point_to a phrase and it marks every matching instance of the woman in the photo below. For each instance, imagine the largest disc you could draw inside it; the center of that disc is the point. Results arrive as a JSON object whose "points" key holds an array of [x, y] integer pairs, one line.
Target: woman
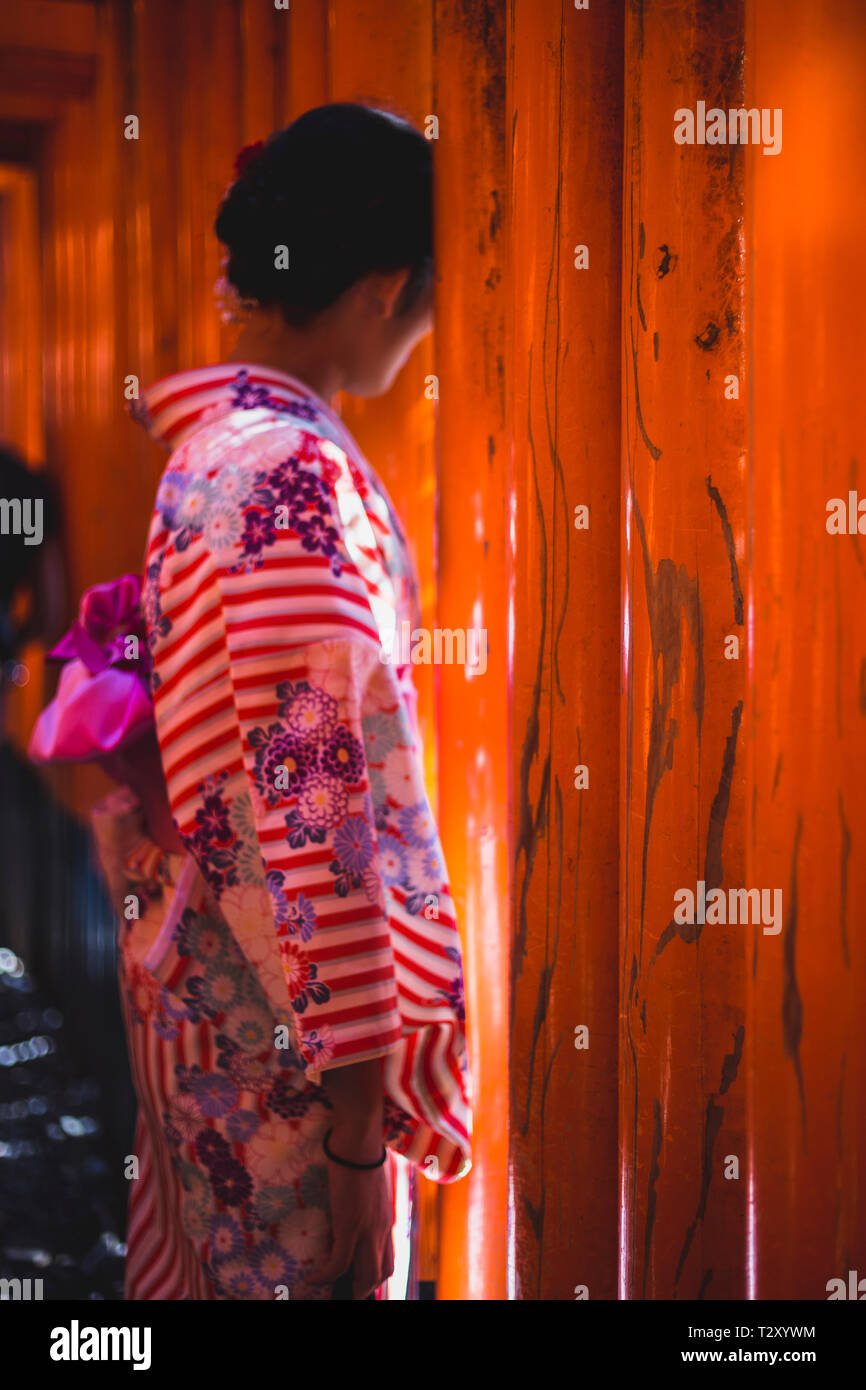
{"points": [[290, 965]]}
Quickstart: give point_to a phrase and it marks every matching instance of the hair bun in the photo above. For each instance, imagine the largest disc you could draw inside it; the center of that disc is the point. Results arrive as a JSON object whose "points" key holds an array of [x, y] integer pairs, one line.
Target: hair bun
{"points": [[347, 189]]}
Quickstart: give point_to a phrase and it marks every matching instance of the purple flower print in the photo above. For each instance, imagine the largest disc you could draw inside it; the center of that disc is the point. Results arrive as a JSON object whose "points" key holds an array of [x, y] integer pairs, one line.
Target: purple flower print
{"points": [[210, 1147], [273, 1265], [243, 1286], [302, 918], [392, 859], [297, 918], [165, 1028], [276, 882], [417, 824], [242, 1125], [316, 534], [286, 1100], [215, 1093], [343, 755], [226, 1237], [453, 995], [259, 531], [231, 1182], [317, 1045], [308, 711], [170, 495], [353, 844], [278, 750], [213, 820], [245, 396], [322, 802]]}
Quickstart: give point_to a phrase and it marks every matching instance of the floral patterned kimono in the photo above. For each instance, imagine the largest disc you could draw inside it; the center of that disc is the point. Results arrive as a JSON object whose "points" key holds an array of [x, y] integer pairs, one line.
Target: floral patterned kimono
{"points": [[310, 923]]}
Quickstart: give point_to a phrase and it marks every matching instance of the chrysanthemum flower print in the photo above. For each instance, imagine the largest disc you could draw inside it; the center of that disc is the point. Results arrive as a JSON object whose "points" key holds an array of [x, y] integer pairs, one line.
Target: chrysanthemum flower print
{"points": [[309, 712], [289, 747], [322, 803], [354, 845], [302, 977], [222, 528], [380, 736], [393, 864], [417, 825]]}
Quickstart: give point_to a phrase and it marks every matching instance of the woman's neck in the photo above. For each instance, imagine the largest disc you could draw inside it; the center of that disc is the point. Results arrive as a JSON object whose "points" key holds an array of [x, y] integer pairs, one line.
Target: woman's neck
{"points": [[288, 350]]}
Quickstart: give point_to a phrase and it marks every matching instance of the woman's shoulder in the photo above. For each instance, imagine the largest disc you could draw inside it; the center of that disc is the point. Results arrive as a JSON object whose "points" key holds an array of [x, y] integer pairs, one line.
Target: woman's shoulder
{"points": [[238, 487]]}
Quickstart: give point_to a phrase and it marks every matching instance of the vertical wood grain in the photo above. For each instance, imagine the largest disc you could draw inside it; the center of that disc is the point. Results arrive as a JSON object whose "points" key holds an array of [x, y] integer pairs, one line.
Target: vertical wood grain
{"points": [[565, 121], [684, 1047]]}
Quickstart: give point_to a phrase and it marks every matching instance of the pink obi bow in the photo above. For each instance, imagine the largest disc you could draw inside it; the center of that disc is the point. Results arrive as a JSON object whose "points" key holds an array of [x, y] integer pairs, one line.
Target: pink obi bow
{"points": [[103, 696]]}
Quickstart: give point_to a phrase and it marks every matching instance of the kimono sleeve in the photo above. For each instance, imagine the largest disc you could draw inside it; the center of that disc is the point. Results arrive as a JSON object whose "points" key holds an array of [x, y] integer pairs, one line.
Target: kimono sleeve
{"points": [[310, 698]]}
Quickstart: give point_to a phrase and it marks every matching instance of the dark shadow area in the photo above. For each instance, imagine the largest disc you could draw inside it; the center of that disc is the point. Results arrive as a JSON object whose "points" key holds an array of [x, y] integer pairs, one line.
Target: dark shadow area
{"points": [[66, 1100]]}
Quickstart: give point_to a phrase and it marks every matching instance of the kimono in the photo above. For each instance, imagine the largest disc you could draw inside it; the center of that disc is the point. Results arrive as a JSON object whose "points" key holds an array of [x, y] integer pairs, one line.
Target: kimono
{"points": [[309, 923]]}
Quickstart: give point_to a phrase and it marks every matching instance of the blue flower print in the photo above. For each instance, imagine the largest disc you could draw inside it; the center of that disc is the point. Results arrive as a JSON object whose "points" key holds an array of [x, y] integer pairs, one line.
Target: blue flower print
{"points": [[417, 824], [226, 1237], [273, 1265], [392, 859], [241, 1125], [215, 1094], [353, 844], [380, 736]]}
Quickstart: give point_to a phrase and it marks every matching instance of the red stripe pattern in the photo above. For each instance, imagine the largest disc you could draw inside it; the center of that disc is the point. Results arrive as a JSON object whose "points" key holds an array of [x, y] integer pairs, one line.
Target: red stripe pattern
{"points": [[276, 575]]}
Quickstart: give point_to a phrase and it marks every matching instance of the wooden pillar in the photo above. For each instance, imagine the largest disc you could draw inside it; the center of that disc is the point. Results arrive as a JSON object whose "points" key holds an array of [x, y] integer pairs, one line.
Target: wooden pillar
{"points": [[474, 592], [683, 1048], [564, 118], [807, 666]]}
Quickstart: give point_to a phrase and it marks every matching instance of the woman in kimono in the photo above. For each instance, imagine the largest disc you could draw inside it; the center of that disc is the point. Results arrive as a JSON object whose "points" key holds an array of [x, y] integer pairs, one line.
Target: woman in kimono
{"points": [[289, 960]]}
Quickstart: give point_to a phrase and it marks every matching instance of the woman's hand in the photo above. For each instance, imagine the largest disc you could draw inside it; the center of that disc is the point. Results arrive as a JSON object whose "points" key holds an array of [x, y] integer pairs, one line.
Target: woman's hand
{"points": [[361, 1201], [361, 1220]]}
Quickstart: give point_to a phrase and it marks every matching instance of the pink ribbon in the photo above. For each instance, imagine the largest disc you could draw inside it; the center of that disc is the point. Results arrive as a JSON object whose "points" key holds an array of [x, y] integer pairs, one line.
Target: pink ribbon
{"points": [[107, 615]]}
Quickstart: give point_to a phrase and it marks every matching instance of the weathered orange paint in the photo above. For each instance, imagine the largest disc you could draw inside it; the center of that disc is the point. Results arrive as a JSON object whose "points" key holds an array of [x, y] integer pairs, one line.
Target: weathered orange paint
{"points": [[564, 115], [807, 660], [682, 1055], [709, 523], [474, 592]]}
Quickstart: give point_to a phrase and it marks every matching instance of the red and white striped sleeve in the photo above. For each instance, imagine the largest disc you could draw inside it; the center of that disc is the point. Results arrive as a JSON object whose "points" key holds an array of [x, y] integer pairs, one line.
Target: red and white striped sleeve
{"points": [[272, 702]]}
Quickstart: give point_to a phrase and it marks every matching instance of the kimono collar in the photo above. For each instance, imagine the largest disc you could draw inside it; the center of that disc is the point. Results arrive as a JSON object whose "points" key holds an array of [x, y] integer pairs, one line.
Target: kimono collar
{"points": [[172, 409], [177, 405]]}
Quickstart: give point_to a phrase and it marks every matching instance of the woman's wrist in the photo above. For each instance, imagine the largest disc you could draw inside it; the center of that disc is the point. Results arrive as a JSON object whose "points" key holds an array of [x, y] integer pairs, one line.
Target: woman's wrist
{"points": [[357, 1136], [356, 1097]]}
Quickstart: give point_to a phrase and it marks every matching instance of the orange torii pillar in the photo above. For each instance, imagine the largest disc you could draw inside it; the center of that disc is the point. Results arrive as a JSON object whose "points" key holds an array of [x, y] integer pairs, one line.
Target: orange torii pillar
{"points": [[806, 612], [684, 1046], [563, 388], [474, 580]]}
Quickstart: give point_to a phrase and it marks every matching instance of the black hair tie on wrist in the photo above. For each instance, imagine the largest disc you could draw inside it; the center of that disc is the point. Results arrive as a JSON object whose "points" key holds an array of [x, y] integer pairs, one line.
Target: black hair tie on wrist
{"points": [[347, 1163]]}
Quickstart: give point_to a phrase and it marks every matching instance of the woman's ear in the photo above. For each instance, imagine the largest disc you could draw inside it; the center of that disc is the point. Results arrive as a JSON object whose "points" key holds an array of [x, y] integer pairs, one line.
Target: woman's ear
{"points": [[388, 286]]}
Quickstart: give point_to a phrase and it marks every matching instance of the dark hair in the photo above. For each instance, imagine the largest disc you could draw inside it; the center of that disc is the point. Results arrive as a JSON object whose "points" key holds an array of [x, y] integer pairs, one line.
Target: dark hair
{"points": [[348, 190]]}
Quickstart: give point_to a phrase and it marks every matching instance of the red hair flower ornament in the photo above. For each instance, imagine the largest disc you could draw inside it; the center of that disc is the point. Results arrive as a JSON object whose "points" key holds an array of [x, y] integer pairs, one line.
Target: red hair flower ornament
{"points": [[250, 154]]}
